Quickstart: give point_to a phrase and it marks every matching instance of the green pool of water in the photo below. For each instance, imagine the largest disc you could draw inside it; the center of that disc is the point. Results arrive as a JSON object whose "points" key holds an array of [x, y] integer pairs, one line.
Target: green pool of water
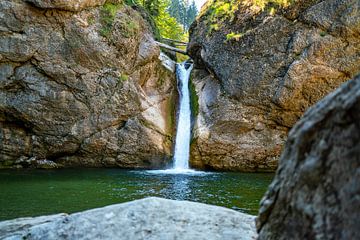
{"points": [[38, 192]]}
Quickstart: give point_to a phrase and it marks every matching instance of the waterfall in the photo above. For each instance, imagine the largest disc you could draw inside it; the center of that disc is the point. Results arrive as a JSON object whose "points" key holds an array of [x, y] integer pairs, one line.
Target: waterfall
{"points": [[183, 130], [183, 133]]}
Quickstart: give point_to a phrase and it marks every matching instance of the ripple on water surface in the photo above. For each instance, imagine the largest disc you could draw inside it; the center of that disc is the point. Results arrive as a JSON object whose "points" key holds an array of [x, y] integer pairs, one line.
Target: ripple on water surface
{"points": [[37, 192]]}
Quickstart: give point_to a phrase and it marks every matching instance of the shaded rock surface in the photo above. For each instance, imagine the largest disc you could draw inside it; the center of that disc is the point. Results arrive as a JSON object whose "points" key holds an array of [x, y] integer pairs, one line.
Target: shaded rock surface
{"points": [[87, 88], [70, 5], [259, 70], [316, 193], [150, 218]]}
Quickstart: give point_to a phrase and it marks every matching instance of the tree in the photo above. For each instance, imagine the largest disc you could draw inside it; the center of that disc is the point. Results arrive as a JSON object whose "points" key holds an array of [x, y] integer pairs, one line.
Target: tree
{"points": [[174, 9], [183, 12], [191, 13], [152, 6], [172, 17], [168, 26]]}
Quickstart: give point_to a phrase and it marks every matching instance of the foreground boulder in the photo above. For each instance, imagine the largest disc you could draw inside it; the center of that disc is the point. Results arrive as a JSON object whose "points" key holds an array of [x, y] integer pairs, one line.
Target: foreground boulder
{"points": [[259, 68], [150, 218], [82, 84], [315, 193]]}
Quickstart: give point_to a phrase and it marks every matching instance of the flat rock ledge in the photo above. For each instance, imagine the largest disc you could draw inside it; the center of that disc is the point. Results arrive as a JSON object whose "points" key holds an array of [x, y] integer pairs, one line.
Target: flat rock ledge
{"points": [[149, 218]]}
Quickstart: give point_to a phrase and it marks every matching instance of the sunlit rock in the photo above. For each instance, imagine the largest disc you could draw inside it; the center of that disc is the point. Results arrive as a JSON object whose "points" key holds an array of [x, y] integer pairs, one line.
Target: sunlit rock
{"points": [[261, 68], [150, 218]]}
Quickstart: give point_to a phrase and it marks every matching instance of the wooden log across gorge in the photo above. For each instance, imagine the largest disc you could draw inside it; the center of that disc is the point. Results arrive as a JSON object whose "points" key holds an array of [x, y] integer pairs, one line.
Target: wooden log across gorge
{"points": [[163, 45], [175, 41]]}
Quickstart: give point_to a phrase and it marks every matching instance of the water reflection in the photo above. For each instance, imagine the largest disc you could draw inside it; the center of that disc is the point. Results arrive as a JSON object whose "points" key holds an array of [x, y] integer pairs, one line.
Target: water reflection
{"points": [[34, 192], [179, 187]]}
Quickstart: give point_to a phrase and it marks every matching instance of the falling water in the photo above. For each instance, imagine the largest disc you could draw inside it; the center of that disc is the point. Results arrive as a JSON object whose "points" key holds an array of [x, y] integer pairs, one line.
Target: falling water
{"points": [[182, 142]]}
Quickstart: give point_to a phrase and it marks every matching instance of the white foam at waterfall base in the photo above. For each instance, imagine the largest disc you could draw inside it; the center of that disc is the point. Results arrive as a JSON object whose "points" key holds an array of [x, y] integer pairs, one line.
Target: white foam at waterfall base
{"points": [[178, 171]]}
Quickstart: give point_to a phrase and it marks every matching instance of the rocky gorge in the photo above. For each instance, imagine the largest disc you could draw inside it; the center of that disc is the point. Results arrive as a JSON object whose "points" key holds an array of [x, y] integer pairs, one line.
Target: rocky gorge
{"points": [[83, 84], [314, 195], [276, 86], [259, 66]]}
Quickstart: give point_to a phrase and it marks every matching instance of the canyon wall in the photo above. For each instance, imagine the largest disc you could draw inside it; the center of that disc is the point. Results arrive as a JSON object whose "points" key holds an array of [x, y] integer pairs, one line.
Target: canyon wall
{"points": [[82, 83], [258, 68], [315, 193]]}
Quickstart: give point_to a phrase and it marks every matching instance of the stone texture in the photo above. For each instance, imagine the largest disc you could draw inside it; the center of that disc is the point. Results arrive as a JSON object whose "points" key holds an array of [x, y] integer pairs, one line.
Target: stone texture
{"points": [[252, 89], [316, 193], [150, 218], [82, 88], [69, 5]]}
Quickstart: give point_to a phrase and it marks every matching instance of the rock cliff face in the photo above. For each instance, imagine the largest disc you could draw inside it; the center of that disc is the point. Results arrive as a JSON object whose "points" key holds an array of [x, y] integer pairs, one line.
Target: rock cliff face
{"points": [[315, 193], [150, 218], [259, 69], [82, 84]]}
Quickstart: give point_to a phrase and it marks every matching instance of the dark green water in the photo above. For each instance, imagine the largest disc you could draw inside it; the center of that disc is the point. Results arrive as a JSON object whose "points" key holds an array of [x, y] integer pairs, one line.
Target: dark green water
{"points": [[38, 192]]}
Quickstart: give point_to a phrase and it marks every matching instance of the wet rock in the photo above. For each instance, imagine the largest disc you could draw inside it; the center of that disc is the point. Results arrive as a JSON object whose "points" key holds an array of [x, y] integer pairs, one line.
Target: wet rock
{"points": [[82, 88], [315, 193], [259, 70], [150, 218], [25, 162]]}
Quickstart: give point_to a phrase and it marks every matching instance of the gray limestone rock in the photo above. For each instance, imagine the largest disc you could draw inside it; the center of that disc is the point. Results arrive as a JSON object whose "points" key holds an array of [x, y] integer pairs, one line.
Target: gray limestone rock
{"points": [[87, 88], [254, 87], [150, 218], [316, 192], [68, 5]]}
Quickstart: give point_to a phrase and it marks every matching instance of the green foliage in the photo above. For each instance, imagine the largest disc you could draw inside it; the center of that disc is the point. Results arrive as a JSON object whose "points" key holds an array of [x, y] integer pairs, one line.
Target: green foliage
{"points": [[153, 6], [130, 2], [167, 26], [216, 12], [123, 77], [91, 20], [219, 11], [107, 16], [222, 9], [129, 27], [261, 4], [234, 36], [194, 99], [214, 27], [272, 11], [183, 12], [323, 33]]}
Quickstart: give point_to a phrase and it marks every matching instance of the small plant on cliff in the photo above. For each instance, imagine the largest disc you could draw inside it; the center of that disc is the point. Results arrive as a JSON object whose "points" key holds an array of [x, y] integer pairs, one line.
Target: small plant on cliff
{"points": [[194, 99], [323, 33], [107, 16], [219, 11], [91, 20], [123, 77], [234, 36], [262, 4], [129, 28], [272, 11]]}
